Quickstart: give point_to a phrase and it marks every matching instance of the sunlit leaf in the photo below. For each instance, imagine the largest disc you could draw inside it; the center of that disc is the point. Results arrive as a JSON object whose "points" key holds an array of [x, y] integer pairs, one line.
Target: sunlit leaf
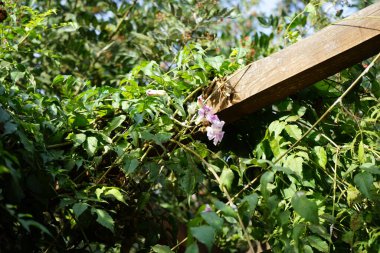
{"points": [[321, 156], [91, 145], [361, 155], [216, 61], [116, 194]]}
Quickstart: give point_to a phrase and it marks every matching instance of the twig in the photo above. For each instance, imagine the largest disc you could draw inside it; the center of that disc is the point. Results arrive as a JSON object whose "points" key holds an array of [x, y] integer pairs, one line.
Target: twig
{"points": [[59, 145]]}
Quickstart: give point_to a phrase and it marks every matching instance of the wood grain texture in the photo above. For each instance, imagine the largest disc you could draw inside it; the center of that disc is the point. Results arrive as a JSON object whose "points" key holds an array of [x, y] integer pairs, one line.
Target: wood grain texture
{"points": [[312, 59]]}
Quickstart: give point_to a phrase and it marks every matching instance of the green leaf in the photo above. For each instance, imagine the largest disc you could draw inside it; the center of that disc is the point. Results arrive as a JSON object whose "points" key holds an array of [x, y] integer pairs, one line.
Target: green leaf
{"points": [[348, 237], [162, 137], [294, 164], [265, 181], [204, 234], [115, 123], [17, 75], [79, 208], [27, 223], [116, 194], [78, 139], [9, 128], [293, 131], [353, 195], [321, 156], [4, 170], [371, 168], [226, 178], [99, 191], [276, 128], [310, 8], [364, 181], [252, 201], [307, 249], [130, 165], [58, 79], [215, 62], [187, 181], [161, 249], [91, 145], [361, 155], [213, 220], [192, 248], [80, 121], [321, 231], [226, 210], [278, 146], [104, 219], [306, 208], [317, 243]]}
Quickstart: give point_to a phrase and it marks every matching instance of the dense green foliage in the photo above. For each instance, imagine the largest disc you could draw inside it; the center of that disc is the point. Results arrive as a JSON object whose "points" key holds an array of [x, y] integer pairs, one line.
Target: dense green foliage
{"points": [[89, 162]]}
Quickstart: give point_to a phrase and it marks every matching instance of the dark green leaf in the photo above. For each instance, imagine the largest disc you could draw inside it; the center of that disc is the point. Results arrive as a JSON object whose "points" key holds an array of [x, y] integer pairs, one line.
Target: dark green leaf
{"points": [[79, 208], [204, 234], [364, 181], [104, 218], [213, 219], [192, 248], [226, 178], [306, 208], [130, 165], [115, 123], [226, 210]]}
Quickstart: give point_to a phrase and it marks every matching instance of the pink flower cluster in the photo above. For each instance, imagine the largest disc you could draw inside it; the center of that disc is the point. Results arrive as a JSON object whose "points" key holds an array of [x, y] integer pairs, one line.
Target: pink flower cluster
{"points": [[214, 132]]}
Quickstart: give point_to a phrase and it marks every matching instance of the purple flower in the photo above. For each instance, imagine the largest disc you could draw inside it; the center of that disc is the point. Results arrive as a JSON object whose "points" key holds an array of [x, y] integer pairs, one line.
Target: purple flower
{"points": [[215, 132], [207, 208], [203, 113], [212, 118], [200, 101]]}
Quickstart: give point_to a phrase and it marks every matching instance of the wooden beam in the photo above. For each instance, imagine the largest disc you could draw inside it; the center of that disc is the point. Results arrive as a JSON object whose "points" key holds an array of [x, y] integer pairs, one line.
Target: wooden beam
{"points": [[315, 58]]}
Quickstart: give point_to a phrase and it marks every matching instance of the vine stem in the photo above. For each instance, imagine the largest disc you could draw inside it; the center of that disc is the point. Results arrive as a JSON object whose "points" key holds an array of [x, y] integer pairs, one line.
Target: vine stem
{"points": [[334, 192], [365, 71], [213, 172]]}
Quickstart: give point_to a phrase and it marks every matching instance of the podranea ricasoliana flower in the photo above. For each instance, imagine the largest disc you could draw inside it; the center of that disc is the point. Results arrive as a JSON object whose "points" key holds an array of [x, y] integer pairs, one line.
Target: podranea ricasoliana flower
{"points": [[155, 93], [215, 130]]}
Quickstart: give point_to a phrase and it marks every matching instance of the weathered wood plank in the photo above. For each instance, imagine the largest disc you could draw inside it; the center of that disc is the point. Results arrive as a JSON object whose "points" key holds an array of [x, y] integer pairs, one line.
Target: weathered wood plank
{"points": [[312, 59]]}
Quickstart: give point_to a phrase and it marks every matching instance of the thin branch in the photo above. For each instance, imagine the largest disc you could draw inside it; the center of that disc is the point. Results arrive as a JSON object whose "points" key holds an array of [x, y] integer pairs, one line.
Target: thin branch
{"points": [[59, 145]]}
